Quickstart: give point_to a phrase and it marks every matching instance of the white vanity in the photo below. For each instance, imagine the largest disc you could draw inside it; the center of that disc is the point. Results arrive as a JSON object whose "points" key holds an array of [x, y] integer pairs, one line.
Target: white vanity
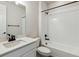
{"points": [[22, 47]]}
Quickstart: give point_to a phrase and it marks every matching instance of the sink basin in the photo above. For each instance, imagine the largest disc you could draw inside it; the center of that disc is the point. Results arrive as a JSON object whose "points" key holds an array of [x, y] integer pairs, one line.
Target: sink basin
{"points": [[13, 43]]}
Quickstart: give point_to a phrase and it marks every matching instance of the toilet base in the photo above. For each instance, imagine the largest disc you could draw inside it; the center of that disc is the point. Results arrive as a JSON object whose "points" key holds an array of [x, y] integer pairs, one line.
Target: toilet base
{"points": [[39, 55]]}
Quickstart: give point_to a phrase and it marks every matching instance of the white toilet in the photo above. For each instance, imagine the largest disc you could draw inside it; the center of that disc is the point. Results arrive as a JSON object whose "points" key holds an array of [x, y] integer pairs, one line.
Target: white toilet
{"points": [[44, 51]]}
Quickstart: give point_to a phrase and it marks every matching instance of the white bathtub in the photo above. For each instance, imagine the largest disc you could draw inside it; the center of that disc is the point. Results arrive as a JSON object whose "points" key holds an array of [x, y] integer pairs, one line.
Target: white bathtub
{"points": [[61, 50]]}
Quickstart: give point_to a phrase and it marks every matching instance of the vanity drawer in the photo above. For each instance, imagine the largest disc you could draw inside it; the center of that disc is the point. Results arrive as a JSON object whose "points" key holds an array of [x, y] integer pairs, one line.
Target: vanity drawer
{"points": [[20, 51], [31, 53]]}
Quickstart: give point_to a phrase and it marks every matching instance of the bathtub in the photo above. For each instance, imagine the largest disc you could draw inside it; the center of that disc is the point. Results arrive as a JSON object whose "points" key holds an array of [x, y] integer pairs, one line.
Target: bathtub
{"points": [[61, 50]]}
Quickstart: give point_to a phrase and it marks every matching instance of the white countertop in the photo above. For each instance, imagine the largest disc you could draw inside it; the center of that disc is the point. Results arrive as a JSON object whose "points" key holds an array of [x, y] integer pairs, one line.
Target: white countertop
{"points": [[27, 40]]}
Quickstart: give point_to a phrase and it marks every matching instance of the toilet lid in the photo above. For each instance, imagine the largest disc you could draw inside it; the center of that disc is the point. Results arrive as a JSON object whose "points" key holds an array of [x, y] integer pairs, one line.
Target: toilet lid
{"points": [[44, 49]]}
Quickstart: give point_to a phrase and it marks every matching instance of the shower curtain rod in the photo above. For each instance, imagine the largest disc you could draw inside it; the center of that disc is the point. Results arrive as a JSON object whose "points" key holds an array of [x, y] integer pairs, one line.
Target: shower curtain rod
{"points": [[60, 6]]}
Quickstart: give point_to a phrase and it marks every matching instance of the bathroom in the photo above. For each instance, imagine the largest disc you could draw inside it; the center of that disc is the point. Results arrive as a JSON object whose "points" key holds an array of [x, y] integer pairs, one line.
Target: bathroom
{"points": [[39, 28]]}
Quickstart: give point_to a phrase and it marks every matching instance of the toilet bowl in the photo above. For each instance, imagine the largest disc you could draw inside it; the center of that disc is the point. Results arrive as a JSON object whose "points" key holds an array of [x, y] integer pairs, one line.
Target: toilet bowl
{"points": [[44, 51]]}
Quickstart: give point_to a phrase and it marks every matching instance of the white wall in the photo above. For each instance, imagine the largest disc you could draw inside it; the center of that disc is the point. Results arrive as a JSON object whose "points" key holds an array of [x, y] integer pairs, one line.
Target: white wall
{"points": [[14, 14], [63, 25], [43, 21], [32, 16]]}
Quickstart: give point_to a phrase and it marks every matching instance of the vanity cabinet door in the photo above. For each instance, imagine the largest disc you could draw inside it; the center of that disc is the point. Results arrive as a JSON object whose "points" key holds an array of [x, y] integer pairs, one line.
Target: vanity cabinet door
{"points": [[31, 53], [21, 51]]}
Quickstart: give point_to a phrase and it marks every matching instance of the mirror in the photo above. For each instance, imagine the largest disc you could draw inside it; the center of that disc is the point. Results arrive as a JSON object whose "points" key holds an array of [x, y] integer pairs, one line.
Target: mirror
{"points": [[12, 18]]}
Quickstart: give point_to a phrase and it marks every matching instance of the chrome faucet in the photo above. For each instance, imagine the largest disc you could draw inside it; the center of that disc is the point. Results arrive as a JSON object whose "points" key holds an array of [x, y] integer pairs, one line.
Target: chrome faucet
{"points": [[10, 37]]}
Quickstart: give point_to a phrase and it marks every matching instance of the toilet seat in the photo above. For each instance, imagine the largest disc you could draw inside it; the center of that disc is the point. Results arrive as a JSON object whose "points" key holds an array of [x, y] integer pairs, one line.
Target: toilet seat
{"points": [[44, 51]]}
